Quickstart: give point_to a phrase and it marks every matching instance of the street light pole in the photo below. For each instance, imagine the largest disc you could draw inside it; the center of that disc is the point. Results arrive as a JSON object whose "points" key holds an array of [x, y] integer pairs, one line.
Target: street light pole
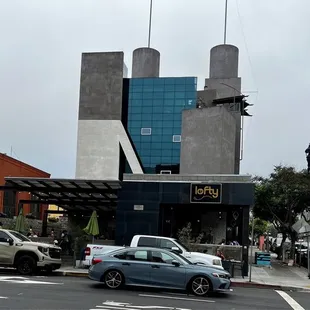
{"points": [[251, 249]]}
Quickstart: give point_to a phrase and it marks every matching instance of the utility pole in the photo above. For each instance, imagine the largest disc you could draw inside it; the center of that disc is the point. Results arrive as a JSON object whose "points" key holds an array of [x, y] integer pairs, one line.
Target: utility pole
{"points": [[225, 23], [150, 24]]}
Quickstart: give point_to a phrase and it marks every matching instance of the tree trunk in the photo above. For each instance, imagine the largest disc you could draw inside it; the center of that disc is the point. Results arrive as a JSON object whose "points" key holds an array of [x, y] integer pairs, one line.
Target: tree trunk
{"points": [[280, 254], [293, 241]]}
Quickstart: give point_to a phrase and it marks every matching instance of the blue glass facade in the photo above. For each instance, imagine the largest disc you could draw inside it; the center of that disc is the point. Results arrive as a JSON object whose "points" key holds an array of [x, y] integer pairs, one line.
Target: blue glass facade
{"points": [[155, 117]]}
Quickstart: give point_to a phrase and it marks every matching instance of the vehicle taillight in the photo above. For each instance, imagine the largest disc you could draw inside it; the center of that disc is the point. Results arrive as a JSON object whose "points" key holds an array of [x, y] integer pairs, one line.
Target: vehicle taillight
{"points": [[87, 251], [96, 261]]}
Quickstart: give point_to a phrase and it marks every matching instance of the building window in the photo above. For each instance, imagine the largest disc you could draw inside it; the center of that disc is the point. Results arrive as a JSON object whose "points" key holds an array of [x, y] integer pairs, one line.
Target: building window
{"points": [[146, 131], [176, 138]]}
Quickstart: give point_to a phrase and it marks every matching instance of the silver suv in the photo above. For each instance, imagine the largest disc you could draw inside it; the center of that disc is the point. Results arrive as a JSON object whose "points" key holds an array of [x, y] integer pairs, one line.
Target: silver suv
{"points": [[26, 256]]}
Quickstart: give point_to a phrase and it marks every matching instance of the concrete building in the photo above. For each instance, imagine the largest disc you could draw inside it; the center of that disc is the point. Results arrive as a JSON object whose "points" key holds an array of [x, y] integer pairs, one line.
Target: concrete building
{"points": [[145, 63]]}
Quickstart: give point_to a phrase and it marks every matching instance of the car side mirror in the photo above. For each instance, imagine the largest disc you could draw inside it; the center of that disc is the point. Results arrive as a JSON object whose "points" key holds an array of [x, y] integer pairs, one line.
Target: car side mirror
{"points": [[176, 249], [175, 263], [10, 241]]}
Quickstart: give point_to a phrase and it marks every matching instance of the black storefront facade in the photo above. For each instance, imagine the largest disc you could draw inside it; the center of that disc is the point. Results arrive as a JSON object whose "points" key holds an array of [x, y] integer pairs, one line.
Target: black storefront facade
{"points": [[151, 207]]}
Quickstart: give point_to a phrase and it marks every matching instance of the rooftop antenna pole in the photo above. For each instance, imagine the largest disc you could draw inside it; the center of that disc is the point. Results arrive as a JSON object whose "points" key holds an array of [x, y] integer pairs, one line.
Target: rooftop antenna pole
{"points": [[225, 25], [150, 24]]}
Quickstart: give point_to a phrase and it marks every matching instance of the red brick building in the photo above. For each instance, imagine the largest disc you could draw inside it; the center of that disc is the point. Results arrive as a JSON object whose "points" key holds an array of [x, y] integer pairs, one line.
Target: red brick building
{"points": [[11, 167]]}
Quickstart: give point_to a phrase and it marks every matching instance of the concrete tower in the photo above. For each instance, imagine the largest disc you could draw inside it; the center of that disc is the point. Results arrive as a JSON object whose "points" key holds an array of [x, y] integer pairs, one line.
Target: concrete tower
{"points": [[145, 63], [211, 135]]}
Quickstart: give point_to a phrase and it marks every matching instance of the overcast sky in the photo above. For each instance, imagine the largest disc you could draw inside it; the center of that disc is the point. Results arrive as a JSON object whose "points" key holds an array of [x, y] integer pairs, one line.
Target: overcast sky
{"points": [[40, 56]]}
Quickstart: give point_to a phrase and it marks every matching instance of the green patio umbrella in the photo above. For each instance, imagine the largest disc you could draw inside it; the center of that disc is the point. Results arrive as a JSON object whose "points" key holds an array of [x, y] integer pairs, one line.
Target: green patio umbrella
{"points": [[20, 222], [92, 227]]}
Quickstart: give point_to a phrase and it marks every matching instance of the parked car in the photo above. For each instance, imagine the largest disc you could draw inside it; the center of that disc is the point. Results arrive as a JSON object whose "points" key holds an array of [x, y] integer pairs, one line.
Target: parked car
{"points": [[17, 251], [156, 242], [154, 267]]}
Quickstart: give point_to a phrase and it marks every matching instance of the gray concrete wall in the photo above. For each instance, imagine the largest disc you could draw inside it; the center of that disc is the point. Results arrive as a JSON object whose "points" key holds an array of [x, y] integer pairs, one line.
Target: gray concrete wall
{"points": [[101, 86], [208, 141], [100, 128], [145, 63], [224, 61]]}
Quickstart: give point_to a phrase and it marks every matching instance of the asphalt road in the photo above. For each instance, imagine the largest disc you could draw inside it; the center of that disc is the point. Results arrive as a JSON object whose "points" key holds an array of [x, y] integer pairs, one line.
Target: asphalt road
{"points": [[55, 293]]}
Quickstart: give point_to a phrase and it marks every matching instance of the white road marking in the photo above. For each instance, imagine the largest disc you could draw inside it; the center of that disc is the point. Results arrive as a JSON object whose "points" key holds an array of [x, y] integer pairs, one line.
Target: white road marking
{"points": [[23, 280], [110, 305], [177, 298], [2, 297], [292, 302]]}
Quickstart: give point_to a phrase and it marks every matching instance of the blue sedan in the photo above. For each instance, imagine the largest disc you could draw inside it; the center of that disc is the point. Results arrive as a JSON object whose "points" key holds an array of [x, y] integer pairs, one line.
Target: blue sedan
{"points": [[159, 268]]}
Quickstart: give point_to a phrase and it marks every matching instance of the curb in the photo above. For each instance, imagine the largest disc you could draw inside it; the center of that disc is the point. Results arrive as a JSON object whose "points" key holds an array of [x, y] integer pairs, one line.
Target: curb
{"points": [[70, 274], [268, 286]]}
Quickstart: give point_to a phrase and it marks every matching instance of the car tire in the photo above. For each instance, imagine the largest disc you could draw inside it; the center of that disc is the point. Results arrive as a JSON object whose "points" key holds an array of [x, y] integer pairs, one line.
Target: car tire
{"points": [[26, 265], [113, 279], [200, 286]]}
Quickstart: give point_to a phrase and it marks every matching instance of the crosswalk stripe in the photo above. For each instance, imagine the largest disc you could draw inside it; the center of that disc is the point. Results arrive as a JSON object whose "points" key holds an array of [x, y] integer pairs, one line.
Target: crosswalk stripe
{"points": [[291, 301]]}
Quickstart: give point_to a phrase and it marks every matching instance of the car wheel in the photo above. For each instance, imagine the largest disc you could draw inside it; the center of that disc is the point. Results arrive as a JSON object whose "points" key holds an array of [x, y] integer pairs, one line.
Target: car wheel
{"points": [[113, 279], [201, 286], [26, 265]]}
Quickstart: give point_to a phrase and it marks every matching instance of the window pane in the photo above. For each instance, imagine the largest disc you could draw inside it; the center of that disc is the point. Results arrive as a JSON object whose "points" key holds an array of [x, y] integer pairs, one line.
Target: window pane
{"points": [[145, 241]]}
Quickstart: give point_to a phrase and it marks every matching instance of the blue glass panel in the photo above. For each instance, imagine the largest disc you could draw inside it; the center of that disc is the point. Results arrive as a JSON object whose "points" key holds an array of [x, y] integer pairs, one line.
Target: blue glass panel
{"points": [[167, 145], [166, 160], [170, 88], [136, 95], [147, 102], [157, 117], [134, 82], [168, 124], [169, 102], [148, 82], [146, 138], [158, 95], [156, 145], [146, 152], [168, 117], [177, 110], [169, 95], [190, 87], [136, 103], [191, 94], [175, 160], [134, 131], [156, 153], [180, 88], [180, 102], [145, 145], [157, 124], [169, 81], [179, 81], [147, 117], [146, 110], [180, 95], [137, 89], [158, 102], [167, 153], [155, 159], [158, 110], [156, 138], [157, 131], [135, 123], [176, 153], [136, 117], [135, 109], [158, 81], [168, 131], [176, 146], [148, 95], [146, 123], [148, 88]]}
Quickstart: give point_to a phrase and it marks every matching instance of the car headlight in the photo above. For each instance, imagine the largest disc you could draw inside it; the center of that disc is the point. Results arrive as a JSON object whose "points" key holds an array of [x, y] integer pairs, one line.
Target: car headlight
{"points": [[217, 262], [43, 250], [220, 275]]}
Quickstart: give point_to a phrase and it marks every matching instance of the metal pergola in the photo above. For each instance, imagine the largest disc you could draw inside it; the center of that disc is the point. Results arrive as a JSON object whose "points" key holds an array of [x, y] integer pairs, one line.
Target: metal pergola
{"points": [[72, 195]]}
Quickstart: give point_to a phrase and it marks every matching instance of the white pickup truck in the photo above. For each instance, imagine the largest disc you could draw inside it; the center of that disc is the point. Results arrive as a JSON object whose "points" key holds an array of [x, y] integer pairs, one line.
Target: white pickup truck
{"points": [[156, 242]]}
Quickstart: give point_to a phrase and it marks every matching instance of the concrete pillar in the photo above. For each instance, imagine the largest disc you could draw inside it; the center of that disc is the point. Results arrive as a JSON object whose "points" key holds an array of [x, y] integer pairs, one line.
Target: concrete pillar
{"points": [[224, 61], [145, 63]]}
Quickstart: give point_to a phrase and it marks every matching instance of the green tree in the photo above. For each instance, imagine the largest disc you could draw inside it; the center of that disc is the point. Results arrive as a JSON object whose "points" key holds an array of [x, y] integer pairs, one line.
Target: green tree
{"points": [[260, 227], [282, 198]]}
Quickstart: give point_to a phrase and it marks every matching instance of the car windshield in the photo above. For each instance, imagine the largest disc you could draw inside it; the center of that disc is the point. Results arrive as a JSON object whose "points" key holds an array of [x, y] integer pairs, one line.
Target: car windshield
{"points": [[19, 236], [182, 245], [183, 258]]}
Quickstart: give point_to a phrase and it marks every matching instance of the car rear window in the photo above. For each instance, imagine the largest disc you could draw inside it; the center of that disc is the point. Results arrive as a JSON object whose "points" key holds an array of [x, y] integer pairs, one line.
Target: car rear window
{"points": [[147, 242]]}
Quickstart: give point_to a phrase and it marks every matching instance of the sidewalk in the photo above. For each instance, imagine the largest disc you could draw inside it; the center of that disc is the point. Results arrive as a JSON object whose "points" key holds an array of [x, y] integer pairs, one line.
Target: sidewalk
{"points": [[277, 276]]}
